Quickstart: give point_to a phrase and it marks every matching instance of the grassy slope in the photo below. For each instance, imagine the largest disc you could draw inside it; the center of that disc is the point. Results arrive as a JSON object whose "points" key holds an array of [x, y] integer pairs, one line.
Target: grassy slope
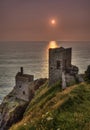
{"points": [[53, 109]]}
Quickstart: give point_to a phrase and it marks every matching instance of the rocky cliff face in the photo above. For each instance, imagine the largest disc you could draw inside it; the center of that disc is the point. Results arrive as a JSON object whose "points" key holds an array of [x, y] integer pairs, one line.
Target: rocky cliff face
{"points": [[12, 108], [11, 111]]}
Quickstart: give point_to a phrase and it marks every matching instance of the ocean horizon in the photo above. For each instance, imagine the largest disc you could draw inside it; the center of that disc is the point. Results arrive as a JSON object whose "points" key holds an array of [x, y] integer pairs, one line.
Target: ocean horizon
{"points": [[33, 56]]}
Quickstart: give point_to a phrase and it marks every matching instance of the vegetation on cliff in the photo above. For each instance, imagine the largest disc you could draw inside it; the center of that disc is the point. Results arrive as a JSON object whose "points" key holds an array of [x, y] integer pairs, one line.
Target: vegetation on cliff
{"points": [[54, 109], [87, 74]]}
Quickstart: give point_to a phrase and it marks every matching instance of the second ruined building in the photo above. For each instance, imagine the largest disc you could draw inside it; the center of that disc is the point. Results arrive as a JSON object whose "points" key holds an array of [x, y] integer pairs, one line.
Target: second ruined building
{"points": [[60, 67]]}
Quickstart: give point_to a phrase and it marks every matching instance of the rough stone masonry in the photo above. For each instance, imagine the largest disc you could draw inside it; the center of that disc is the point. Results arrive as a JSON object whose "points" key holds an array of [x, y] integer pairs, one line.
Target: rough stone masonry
{"points": [[59, 61], [61, 69]]}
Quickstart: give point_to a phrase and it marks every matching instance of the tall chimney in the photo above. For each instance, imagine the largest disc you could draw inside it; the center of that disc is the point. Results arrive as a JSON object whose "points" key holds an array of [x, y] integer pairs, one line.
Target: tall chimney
{"points": [[21, 70]]}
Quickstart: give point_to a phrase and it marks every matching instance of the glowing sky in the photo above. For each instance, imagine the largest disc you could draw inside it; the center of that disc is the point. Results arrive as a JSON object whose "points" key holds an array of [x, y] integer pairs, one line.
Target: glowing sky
{"points": [[25, 20]]}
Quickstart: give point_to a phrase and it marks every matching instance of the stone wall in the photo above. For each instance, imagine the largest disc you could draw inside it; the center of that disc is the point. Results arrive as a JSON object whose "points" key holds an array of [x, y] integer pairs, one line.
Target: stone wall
{"points": [[59, 60], [22, 90]]}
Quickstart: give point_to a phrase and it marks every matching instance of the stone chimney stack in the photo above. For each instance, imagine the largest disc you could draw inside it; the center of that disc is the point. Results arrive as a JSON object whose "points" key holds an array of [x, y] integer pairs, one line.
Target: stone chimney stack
{"points": [[21, 70]]}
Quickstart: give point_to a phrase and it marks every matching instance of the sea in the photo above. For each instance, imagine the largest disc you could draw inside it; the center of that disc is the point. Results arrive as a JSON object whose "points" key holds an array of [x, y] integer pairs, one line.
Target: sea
{"points": [[33, 56]]}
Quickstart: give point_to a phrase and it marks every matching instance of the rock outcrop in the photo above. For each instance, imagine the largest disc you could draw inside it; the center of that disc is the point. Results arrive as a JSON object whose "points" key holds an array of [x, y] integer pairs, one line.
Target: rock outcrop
{"points": [[11, 111], [12, 108]]}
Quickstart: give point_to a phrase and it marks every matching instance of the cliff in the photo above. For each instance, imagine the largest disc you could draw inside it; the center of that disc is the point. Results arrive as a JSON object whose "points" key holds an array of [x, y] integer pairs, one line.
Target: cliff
{"points": [[54, 109], [11, 111], [12, 108]]}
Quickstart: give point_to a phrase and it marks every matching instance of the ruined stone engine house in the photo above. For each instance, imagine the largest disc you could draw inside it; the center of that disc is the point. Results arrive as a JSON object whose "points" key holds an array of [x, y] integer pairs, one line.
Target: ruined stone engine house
{"points": [[59, 61], [60, 67], [22, 90]]}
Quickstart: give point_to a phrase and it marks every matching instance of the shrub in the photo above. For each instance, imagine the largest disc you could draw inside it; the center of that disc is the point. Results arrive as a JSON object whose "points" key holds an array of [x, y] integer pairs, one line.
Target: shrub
{"points": [[87, 74]]}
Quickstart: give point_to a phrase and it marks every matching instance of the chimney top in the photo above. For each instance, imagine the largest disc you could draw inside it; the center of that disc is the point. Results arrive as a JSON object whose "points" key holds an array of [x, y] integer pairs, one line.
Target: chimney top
{"points": [[21, 70]]}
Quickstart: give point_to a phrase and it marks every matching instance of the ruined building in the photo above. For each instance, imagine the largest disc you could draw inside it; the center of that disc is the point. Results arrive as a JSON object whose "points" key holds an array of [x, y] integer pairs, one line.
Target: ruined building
{"points": [[60, 67], [25, 85], [59, 61], [22, 90]]}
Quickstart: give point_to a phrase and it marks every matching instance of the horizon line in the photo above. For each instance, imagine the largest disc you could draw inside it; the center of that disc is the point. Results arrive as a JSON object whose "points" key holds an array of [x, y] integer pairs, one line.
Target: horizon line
{"points": [[48, 41]]}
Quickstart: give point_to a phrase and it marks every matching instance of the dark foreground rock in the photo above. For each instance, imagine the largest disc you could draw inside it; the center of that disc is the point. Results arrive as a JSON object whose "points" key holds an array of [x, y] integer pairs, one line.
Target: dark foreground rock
{"points": [[12, 108], [11, 111]]}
